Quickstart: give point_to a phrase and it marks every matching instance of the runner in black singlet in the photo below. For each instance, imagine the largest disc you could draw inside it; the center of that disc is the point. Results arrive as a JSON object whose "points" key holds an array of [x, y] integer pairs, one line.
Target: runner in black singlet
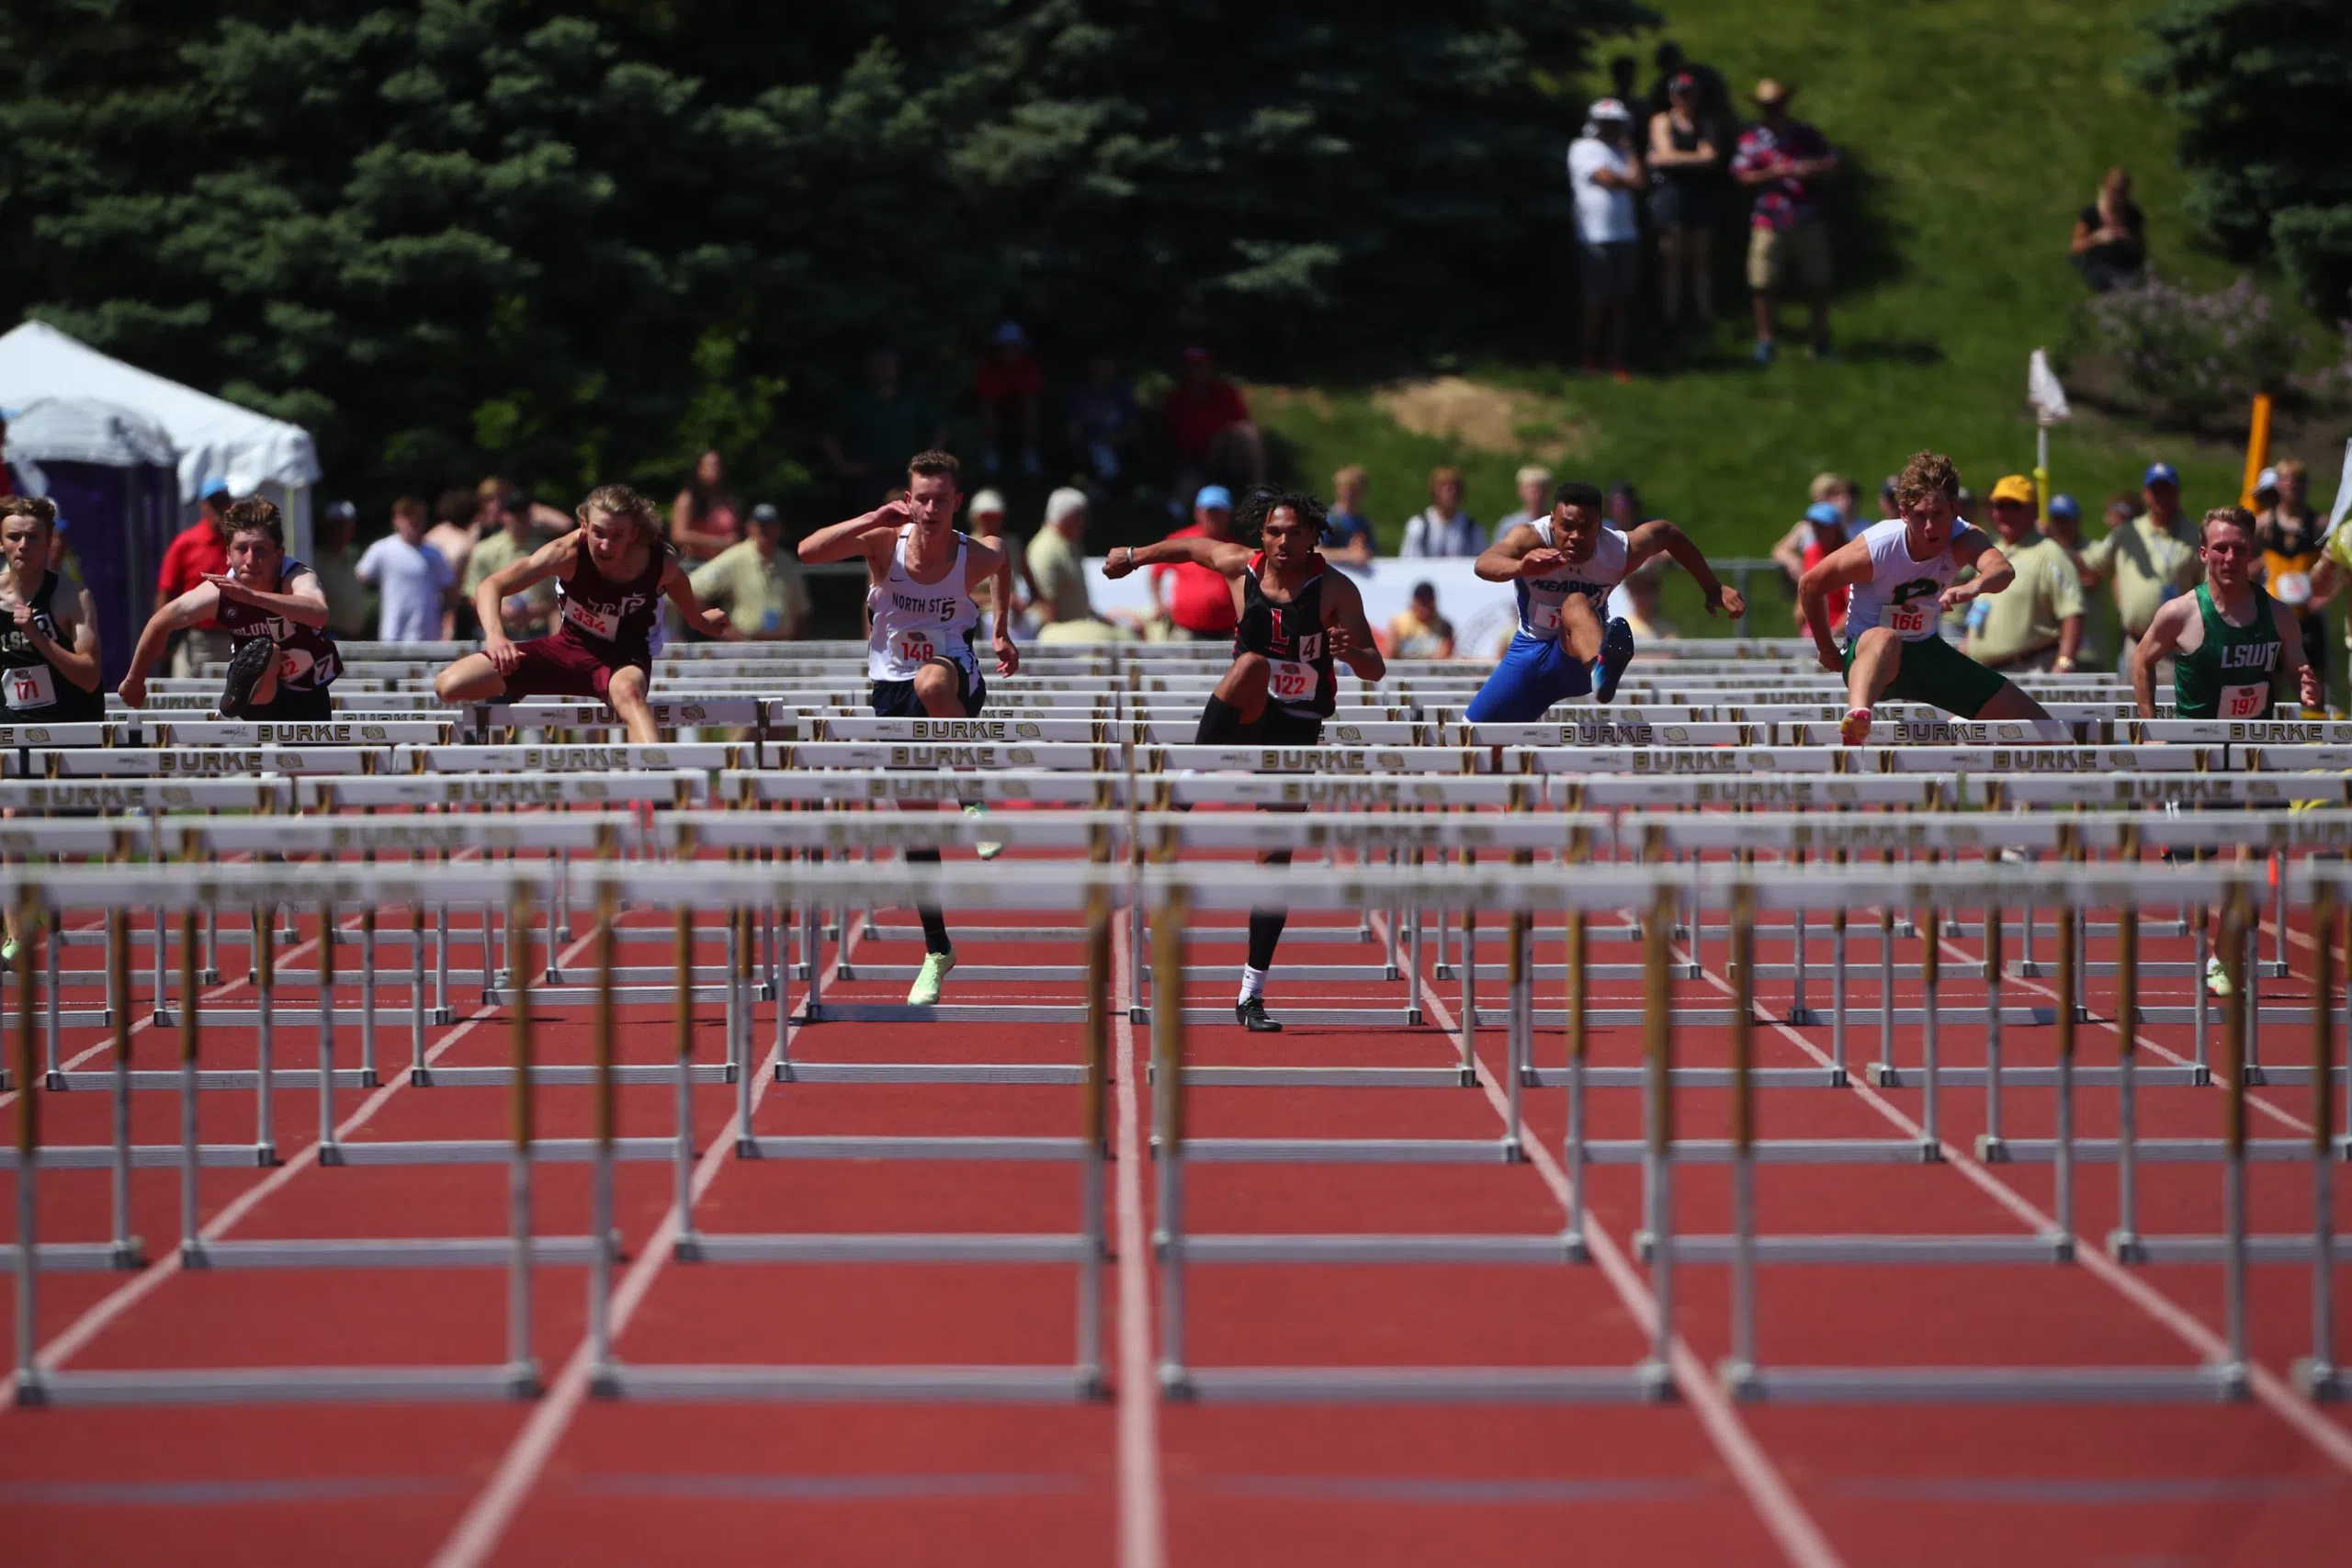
{"points": [[1297, 617], [276, 615], [48, 632]]}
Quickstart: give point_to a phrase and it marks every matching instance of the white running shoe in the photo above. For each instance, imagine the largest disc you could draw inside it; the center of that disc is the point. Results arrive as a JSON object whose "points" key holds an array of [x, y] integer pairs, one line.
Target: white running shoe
{"points": [[925, 990], [2217, 977], [987, 848]]}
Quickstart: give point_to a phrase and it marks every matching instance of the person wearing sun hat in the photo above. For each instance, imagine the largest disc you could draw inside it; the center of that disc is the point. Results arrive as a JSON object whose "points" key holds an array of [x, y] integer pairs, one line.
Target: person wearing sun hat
{"points": [[1780, 161], [1604, 171]]}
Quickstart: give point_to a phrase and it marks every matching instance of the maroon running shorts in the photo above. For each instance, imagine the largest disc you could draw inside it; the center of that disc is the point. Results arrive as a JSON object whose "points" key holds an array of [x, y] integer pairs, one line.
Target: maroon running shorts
{"points": [[558, 667]]}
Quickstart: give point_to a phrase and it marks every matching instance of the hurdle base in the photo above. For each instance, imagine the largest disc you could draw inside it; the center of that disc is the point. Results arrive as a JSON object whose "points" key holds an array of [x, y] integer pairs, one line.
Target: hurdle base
{"points": [[2321, 1381], [2213, 1383], [1646, 1384], [1992, 1150], [2125, 1246], [280, 1385], [1366, 1248], [941, 1385]]}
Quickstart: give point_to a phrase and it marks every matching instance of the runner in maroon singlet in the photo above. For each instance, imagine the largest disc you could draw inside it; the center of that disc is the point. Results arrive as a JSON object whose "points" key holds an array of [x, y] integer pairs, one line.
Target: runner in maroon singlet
{"points": [[611, 574], [274, 613]]}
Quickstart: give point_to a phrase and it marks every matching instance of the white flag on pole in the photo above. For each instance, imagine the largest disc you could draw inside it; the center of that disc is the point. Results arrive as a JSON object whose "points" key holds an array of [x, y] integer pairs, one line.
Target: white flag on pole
{"points": [[2042, 390], [2343, 490]]}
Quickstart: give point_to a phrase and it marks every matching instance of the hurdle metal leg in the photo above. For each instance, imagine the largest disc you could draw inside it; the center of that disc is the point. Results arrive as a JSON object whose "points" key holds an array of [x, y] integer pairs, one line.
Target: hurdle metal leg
{"points": [[367, 995], [1575, 1150], [1168, 1058], [1990, 1144], [682, 1163], [522, 1366], [329, 1152], [1837, 1067], [128, 1253], [2124, 1243], [53, 1020], [2200, 957], [191, 1232], [418, 1074], [2316, 1374], [266, 1080], [1883, 1072], [1658, 1163], [600, 1222], [27, 1282]]}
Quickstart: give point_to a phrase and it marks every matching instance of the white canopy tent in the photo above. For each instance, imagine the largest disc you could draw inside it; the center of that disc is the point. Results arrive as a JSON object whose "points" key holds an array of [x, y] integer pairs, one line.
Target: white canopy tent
{"points": [[209, 435]]}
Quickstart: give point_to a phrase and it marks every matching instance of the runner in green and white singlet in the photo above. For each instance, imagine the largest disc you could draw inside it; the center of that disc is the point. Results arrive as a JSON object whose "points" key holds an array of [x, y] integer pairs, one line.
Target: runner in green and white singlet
{"points": [[2229, 640]]}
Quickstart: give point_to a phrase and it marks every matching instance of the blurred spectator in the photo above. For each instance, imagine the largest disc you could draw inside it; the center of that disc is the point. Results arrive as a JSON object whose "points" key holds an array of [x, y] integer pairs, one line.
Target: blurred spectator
{"points": [[1533, 484], [1824, 529], [1964, 506], [1057, 564], [1102, 420], [1209, 426], [338, 568], [984, 521], [1637, 602], [2064, 523], [757, 581], [2149, 559], [1604, 171], [2110, 241], [1624, 75], [412, 579], [1686, 156], [10, 484], [531, 612], [2288, 533], [1347, 530], [876, 429], [1888, 507], [1417, 631], [1625, 511], [2036, 622], [1196, 602], [1778, 162], [703, 520], [1008, 384], [1443, 528], [1714, 95], [196, 552]]}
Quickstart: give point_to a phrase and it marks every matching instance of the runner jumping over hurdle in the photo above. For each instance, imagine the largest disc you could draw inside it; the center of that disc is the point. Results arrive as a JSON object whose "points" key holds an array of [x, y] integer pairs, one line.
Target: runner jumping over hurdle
{"points": [[1562, 567], [281, 661], [921, 576], [610, 574], [1297, 617], [1900, 572]]}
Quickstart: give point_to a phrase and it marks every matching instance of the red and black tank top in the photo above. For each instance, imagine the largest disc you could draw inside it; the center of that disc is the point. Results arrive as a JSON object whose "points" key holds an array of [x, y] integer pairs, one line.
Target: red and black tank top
{"points": [[1291, 638], [612, 620], [307, 661]]}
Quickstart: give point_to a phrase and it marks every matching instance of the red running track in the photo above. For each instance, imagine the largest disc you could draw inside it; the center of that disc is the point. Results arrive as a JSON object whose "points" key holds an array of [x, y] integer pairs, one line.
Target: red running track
{"points": [[1137, 1479]]}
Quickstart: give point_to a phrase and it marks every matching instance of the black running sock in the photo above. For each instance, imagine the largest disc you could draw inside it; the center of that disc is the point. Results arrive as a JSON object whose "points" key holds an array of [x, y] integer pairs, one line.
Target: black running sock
{"points": [[1266, 925], [934, 924], [1221, 724]]}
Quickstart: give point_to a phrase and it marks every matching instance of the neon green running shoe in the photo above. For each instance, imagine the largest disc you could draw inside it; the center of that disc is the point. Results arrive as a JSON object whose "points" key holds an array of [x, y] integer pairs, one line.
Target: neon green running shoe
{"points": [[8, 951], [987, 848], [925, 991]]}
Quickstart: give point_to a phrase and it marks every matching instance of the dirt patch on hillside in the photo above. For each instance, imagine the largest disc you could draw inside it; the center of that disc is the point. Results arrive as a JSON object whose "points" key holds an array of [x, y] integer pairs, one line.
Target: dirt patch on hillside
{"points": [[1484, 417]]}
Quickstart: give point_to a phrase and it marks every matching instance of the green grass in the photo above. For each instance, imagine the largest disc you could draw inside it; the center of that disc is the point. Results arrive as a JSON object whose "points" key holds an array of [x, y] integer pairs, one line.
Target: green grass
{"points": [[1978, 129]]}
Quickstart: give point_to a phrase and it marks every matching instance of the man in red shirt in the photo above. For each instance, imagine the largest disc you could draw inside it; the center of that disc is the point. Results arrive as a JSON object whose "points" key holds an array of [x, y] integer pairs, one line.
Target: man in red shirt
{"points": [[1195, 599], [1008, 384], [1209, 426], [197, 552]]}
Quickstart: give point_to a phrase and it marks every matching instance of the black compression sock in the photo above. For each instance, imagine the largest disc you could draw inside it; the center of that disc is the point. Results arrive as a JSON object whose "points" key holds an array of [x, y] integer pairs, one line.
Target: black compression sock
{"points": [[1221, 724], [934, 924], [1265, 931]]}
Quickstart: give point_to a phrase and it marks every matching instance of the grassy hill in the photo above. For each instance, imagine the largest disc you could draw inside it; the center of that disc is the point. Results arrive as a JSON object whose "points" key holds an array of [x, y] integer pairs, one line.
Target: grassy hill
{"points": [[1973, 131]]}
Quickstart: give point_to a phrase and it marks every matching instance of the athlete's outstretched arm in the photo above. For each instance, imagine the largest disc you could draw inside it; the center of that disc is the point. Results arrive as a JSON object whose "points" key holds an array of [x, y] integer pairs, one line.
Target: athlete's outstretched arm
{"points": [[1520, 552], [711, 622], [1660, 535], [1845, 567], [1994, 571], [553, 558], [1350, 633], [2291, 656], [307, 605], [1226, 557], [856, 535], [198, 604], [2162, 641]]}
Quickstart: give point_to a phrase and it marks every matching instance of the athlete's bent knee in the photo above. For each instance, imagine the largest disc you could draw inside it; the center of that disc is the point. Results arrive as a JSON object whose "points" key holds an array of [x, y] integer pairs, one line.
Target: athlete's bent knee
{"points": [[1247, 678], [627, 685]]}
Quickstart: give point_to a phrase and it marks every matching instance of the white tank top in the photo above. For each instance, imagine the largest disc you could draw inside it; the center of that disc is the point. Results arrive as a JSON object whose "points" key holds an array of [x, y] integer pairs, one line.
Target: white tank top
{"points": [[1540, 600], [1901, 595], [915, 623]]}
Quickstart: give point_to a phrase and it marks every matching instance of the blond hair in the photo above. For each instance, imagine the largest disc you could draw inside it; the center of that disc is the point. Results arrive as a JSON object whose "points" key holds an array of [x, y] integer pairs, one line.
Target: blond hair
{"points": [[1353, 474], [1825, 485], [1533, 474]]}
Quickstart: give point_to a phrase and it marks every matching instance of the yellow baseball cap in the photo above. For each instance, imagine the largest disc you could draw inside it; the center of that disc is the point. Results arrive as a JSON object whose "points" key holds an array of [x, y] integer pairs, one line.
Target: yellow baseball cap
{"points": [[2014, 486]]}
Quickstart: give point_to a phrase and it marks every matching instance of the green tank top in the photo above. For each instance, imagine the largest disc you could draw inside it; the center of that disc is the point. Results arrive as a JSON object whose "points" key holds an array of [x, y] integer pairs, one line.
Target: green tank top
{"points": [[2229, 676]]}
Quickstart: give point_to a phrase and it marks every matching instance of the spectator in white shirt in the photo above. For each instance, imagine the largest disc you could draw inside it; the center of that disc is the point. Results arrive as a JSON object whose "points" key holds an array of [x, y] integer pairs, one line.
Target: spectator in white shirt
{"points": [[410, 577], [1604, 171], [1443, 528]]}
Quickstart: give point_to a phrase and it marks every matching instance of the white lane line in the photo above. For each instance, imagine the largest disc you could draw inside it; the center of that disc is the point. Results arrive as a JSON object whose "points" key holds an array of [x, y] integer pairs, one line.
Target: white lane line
{"points": [[1801, 1540], [108, 1309], [2273, 1391], [486, 1519], [1142, 1537]]}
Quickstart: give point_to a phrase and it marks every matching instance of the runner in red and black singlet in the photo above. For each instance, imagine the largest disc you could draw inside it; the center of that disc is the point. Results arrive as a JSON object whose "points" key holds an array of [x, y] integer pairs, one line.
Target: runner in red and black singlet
{"points": [[48, 635], [1296, 618], [611, 575], [273, 609]]}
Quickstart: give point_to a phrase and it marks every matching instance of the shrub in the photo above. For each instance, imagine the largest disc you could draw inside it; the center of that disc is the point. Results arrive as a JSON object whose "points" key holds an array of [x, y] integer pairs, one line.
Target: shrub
{"points": [[2193, 357]]}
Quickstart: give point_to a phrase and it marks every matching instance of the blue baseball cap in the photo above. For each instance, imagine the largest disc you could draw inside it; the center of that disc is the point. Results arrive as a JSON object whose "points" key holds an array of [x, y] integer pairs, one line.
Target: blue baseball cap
{"points": [[2065, 506], [1824, 512], [1214, 497], [2160, 474], [211, 487]]}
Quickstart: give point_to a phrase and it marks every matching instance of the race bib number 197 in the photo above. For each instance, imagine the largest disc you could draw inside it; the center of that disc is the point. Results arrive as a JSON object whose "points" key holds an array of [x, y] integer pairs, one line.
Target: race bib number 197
{"points": [[2244, 702]]}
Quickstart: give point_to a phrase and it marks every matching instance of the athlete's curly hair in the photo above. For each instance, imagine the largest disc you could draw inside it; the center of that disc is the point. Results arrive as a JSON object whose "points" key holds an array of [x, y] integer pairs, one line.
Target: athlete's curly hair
{"points": [[1249, 524]]}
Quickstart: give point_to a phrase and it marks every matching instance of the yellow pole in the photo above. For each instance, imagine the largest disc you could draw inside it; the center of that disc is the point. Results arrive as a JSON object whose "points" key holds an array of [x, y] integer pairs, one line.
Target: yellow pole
{"points": [[2258, 448]]}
